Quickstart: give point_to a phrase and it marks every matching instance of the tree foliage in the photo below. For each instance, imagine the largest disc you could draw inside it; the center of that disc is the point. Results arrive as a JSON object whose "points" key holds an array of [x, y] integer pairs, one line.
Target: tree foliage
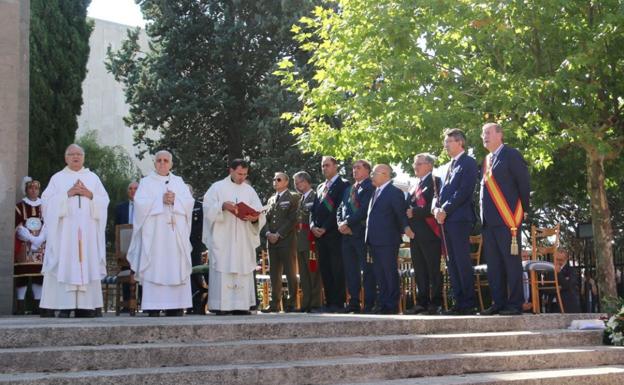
{"points": [[116, 170], [59, 49], [206, 85], [395, 73]]}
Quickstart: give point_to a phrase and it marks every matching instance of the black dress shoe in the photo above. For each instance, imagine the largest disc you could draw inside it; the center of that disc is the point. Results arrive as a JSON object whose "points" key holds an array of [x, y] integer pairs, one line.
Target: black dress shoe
{"points": [[457, 311], [492, 310], [389, 311], [434, 310], [290, 309], [153, 313], [64, 313], [510, 312], [241, 312], [355, 309], [221, 312], [84, 313], [46, 313], [317, 310], [174, 312], [416, 309]]}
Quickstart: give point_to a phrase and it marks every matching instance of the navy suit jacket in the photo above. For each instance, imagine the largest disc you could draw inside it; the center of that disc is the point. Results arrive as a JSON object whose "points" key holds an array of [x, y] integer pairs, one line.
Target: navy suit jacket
{"points": [[386, 218], [356, 218], [512, 176], [419, 214], [456, 193], [321, 215], [121, 213]]}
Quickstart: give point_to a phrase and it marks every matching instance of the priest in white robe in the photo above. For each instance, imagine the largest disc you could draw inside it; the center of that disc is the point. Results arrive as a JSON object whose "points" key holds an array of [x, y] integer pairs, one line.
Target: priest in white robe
{"points": [[232, 242], [160, 249], [74, 211]]}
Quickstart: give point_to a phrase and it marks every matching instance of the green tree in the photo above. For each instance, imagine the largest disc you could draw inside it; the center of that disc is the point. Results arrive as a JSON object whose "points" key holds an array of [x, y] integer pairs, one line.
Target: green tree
{"points": [[205, 86], [59, 49], [116, 170], [395, 73]]}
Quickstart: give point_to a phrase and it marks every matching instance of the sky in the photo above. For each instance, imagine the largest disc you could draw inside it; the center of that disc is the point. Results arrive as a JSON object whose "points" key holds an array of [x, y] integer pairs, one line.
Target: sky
{"points": [[119, 11]]}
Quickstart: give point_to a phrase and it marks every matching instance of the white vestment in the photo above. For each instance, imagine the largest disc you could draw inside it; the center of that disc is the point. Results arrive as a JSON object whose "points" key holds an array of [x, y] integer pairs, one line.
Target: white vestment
{"points": [[160, 249], [75, 252], [232, 245]]}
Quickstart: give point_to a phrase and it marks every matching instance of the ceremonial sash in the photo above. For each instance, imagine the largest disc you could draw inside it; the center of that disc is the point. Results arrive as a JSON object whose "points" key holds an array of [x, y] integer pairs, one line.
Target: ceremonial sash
{"points": [[420, 200], [354, 202], [327, 200], [512, 220]]}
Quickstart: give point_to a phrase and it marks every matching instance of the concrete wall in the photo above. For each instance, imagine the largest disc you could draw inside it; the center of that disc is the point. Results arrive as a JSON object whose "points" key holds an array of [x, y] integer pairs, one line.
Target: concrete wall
{"points": [[104, 104], [14, 59]]}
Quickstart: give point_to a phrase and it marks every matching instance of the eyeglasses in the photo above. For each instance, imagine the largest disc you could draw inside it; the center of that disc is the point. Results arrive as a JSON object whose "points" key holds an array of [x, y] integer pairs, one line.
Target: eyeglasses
{"points": [[74, 154], [277, 179]]}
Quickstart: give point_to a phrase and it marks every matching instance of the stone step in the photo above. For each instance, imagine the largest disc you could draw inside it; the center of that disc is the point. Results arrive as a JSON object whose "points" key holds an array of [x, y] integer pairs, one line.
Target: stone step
{"points": [[338, 370], [602, 375], [16, 332], [63, 358]]}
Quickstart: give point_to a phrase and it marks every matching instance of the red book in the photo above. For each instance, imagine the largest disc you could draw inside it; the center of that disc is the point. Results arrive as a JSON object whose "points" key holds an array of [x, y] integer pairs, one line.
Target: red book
{"points": [[244, 210]]}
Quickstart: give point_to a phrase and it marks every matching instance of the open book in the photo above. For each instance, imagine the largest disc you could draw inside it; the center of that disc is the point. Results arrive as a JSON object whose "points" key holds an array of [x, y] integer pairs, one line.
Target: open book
{"points": [[244, 210]]}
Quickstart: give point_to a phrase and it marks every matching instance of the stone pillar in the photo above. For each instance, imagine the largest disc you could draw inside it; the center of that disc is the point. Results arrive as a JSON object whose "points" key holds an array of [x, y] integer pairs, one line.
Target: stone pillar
{"points": [[14, 71]]}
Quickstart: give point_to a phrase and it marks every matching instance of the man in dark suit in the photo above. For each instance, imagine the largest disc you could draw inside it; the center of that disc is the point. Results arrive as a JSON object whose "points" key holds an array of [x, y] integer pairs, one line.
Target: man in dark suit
{"points": [[309, 277], [280, 233], [425, 248], [199, 285], [504, 202], [454, 210], [124, 213], [352, 225], [328, 239], [385, 226]]}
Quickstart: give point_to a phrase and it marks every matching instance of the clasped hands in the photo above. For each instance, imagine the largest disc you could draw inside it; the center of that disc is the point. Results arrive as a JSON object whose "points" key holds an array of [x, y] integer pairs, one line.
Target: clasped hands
{"points": [[169, 198], [79, 189]]}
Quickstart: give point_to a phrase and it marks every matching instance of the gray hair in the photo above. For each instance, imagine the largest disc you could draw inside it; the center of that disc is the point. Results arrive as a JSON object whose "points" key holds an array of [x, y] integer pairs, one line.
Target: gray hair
{"points": [[303, 175], [164, 152], [496, 126], [429, 158], [74, 145]]}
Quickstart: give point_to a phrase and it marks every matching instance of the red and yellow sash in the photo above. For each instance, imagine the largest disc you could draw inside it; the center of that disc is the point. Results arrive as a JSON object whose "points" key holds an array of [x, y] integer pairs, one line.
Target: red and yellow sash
{"points": [[512, 221]]}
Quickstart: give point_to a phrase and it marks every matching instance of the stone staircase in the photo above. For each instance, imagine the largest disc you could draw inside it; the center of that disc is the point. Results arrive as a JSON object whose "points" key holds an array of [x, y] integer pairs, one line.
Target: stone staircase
{"points": [[306, 349]]}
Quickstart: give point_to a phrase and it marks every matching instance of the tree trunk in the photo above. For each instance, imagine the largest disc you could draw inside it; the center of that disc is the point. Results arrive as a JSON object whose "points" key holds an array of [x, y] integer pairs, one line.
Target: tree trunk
{"points": [[601, 226]]}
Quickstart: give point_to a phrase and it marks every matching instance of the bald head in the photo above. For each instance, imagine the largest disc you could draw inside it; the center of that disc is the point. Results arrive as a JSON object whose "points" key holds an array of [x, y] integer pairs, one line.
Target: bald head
{"points": [[382, 173]]}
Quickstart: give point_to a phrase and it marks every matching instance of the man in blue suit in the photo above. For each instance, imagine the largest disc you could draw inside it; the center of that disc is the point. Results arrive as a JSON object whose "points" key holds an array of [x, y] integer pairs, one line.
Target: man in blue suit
{"points": [[124, 213], [352, 225], [125, 210], [504, 194], [328, 240], [454, 209], [386, 223]]}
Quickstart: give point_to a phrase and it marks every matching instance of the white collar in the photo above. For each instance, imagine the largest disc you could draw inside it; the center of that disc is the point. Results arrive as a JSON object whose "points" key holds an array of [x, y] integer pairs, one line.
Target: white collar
{"points": [[32, 203], [458, 155], [496, 152], [383, 186]]}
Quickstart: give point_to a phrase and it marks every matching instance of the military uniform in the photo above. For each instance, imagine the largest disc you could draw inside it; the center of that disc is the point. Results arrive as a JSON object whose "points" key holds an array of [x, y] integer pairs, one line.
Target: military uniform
{"points": [[281, 219], [310, 280]]}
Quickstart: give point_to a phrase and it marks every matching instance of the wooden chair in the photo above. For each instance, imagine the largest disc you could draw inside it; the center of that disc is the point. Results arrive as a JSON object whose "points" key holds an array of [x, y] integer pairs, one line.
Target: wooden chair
{"points": [[543, 266], [407, 283], [479, 269], [123, 234], [263, 279]]}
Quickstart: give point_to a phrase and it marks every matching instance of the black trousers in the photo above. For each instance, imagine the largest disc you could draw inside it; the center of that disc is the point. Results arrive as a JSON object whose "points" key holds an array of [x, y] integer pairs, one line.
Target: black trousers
{"points": [[426, 262], [329, 252]]}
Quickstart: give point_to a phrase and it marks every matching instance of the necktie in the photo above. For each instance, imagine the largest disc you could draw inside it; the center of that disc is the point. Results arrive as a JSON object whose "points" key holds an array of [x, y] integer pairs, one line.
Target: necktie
{"points": [[377, 192], [449, 171], [130, 212]]}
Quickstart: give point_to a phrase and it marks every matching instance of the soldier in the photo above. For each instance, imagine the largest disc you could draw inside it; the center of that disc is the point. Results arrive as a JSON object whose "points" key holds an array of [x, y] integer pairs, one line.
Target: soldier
{"points": [[280, 234], [309, 277]]}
